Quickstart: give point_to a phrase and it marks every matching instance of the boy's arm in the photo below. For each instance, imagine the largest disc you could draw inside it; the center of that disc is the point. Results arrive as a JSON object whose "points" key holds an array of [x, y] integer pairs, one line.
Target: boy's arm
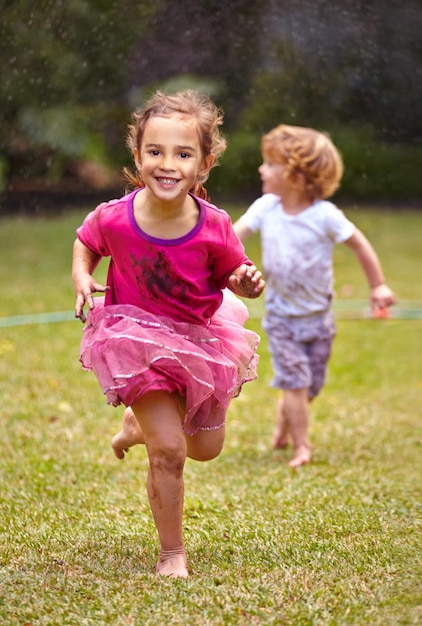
{"points": [[241, 230], [83, 265], [381, 294], [246, 281]]}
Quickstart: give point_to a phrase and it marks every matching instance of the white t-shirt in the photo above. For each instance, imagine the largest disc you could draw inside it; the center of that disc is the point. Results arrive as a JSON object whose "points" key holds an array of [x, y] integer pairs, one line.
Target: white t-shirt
{"points": [[297, 253]]}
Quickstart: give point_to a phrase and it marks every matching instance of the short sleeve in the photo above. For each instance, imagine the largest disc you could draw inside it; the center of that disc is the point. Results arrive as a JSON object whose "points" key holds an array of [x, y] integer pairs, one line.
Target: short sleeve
{"points": [[257, 210], [90, 233], [229, 256], [338, 227]]}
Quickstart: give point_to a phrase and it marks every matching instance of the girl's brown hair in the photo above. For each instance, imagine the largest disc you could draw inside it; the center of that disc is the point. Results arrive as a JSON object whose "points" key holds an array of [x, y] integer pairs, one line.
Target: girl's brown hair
{"points": [[188, 102], [308, 152]]}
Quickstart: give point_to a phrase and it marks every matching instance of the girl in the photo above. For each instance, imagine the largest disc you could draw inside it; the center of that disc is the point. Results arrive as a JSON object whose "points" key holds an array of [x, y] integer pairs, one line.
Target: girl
{"points": [[164, 341]]}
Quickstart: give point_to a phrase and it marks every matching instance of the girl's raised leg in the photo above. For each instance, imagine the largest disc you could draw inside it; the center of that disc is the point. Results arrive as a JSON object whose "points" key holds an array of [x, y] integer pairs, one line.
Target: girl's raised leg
{"points": [[203, 446], [130, 434]]}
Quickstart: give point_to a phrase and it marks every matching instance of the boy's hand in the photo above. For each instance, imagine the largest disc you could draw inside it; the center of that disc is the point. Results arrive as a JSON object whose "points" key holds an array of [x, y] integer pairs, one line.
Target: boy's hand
{"points": [[246, 281], [85, 286], [382, 297]]}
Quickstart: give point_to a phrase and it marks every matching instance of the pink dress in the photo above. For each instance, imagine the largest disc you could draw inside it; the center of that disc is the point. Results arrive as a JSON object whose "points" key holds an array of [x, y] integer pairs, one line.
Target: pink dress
{"points": [[164, 324]]}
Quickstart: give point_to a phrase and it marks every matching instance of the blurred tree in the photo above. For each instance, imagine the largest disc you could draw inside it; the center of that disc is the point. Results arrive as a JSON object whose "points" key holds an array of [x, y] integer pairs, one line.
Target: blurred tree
{"points": [[64, 73], [72, 70], [383, 73], [206, 38], [341, 62]]}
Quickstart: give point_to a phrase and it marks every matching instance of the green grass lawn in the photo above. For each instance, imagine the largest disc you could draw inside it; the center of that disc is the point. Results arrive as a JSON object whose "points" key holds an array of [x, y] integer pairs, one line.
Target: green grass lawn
{"points": [[338, 542]]}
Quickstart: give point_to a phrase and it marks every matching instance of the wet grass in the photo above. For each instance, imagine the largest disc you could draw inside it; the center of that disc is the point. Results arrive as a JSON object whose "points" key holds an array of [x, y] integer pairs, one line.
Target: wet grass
{"points": [[338, 542]]}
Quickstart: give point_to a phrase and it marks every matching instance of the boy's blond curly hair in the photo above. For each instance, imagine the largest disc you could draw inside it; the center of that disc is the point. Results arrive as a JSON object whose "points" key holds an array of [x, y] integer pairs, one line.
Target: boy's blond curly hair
{"points": [[308, 152]]}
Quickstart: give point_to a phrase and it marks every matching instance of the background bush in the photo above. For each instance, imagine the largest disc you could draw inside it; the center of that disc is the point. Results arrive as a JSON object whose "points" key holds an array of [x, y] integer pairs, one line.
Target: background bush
{"points": [[375, 170], [74, 71]]}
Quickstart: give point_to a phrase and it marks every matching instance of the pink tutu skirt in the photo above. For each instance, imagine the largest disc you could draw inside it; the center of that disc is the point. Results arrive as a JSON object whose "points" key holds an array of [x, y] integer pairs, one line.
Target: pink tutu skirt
{"points": [[133, 352]]}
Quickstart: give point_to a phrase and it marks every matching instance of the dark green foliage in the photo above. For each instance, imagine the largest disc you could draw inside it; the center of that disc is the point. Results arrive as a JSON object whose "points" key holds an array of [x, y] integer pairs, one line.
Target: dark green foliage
{"points": [[73, 71]]}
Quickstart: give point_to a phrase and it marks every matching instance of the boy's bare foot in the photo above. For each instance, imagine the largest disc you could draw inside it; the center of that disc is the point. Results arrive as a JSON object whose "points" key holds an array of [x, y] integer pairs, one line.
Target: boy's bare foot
{"points": [[173, 563], [129, 436], [280, 439], [281, 432], [301, 456]]}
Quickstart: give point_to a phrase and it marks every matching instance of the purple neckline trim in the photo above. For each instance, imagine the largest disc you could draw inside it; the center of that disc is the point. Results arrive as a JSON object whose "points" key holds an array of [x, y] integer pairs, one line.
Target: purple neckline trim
{"points": [[157, 240]]}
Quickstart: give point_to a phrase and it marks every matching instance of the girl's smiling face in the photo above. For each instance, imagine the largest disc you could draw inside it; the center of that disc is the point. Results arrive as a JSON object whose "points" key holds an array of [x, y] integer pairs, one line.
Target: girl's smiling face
{"points": [[170, 157]]}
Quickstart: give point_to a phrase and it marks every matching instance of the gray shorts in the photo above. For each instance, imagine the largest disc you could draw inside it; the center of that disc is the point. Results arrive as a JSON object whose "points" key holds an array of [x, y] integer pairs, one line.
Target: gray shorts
{"points": [[300, 348]]}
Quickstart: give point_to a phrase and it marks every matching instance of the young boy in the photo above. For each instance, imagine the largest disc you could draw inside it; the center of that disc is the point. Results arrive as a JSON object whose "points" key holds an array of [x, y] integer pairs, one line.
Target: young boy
{"points": [[299, 228]]}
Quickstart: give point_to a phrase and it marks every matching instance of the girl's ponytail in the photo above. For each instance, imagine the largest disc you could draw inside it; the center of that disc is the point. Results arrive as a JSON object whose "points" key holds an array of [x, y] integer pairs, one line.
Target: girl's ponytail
{"points": [[199, 190]]}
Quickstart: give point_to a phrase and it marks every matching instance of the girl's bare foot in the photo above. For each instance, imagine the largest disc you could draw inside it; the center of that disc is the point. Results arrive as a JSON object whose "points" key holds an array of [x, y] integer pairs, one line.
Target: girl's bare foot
{"points": [[301, 456], [173, 563], [130, 435]]}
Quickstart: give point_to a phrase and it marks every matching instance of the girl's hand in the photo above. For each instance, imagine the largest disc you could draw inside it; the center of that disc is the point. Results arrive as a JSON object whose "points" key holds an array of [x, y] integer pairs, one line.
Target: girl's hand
{"points": [[246, 281], [85, 286]]}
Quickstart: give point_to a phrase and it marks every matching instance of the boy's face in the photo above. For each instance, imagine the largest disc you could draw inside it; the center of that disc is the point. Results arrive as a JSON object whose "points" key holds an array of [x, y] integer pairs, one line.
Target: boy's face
{"points": [[273, 177]]}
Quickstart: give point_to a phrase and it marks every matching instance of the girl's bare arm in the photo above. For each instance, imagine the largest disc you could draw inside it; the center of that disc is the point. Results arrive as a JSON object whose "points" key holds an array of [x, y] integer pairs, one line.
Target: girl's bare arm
{"points": [[246, 281], [83, 265]]}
